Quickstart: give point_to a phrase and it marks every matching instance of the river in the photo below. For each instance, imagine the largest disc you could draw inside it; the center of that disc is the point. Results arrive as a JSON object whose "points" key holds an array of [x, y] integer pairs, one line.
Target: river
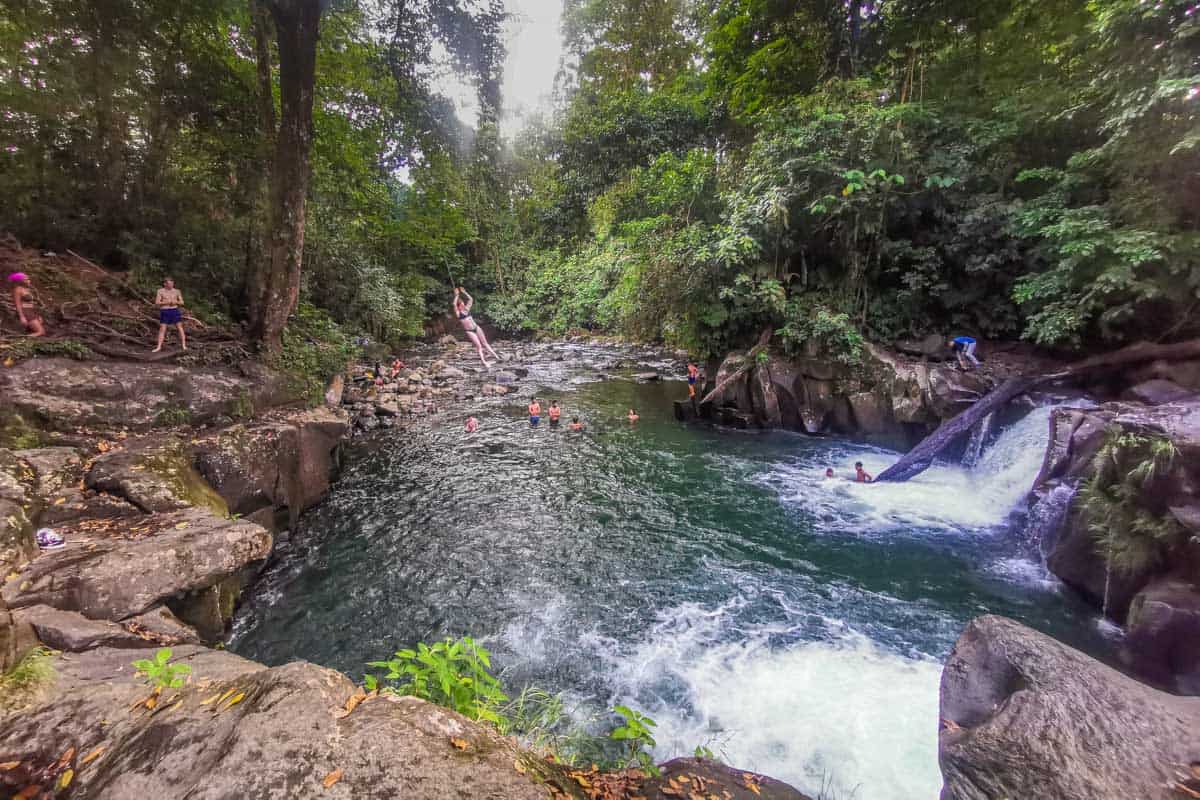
{"points": [[714, 579]]}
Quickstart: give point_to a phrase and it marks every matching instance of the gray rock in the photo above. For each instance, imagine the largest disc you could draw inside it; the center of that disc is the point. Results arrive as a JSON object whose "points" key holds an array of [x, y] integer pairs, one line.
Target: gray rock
{"points": [[75, 633], [1163, 635], [1025, 716], [720, 780], [505, 378], [155, 474], [872, 413], [646, 377], [18, 507], [281, 740], [452, 373], [115, 578], [1157, 391], [61, 394]]}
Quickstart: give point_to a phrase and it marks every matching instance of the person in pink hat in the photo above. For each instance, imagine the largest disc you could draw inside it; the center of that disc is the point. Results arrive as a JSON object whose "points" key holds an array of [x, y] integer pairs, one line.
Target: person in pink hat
{"points": [[26, 304]]}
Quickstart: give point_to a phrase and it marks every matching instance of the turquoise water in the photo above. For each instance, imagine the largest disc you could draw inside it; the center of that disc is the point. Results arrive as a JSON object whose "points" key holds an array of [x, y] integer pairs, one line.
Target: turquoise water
{"points": [[714, 579]]}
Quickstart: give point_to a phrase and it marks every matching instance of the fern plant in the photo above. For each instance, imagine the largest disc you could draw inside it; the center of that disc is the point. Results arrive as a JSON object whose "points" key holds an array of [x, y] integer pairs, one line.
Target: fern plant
{"points": [[1127, 532], [450, 673]]}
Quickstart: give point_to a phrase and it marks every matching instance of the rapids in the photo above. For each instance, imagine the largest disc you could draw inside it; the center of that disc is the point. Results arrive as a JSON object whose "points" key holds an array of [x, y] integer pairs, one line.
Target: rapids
{"points": [[713, 579]]}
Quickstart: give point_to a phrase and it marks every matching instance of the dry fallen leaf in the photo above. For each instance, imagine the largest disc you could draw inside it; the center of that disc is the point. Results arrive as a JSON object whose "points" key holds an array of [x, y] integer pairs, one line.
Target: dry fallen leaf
{"points": [[7, 765], [211, 700], [29, 791], [66, 758], [60, 501], [351, 703], [519, 767], [237, 698], [461, 744], [332, 778], [951, 725], [92, 756], [64, 780], [181, 526]]}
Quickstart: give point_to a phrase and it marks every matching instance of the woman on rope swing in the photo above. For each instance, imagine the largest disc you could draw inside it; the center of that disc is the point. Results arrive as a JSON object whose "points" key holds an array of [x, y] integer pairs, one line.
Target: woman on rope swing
{"points": [[462, 309]]}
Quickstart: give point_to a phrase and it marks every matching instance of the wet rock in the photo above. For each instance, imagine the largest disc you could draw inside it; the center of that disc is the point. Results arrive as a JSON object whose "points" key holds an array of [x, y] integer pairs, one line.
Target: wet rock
{"points": [[453, 373], [387, 410], [281, 740], [1156, 391], [155, 474], [505, 378], [1025, 716], [645, 377], [1163, 635], [60, 394], [115, 578], [447, 340], [872, 413], [686, 410]]}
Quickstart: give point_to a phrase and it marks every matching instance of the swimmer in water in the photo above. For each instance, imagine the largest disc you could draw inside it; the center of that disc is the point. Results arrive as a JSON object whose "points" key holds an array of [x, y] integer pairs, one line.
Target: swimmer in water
{"points": [[555, 412], [462, 310], [633, 415], [693, 374], [860, 474], [828, 473], [535, 413], [576, 425], [472, 424]]}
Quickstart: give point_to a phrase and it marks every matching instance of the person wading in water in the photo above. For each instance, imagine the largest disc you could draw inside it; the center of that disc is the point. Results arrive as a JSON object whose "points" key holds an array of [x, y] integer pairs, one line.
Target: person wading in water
{"points": [[26, 305], [169, 299], [462, 309]]}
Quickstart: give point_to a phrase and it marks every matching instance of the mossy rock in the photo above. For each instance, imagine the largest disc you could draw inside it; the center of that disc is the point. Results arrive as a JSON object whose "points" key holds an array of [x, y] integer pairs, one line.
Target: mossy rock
{"points": [[155, 475], [17, 433]]}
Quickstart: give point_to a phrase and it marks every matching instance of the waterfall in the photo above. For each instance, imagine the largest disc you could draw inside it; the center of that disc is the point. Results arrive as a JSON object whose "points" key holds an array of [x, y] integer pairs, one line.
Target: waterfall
{"points": [[979, 437], [1047, 516]]}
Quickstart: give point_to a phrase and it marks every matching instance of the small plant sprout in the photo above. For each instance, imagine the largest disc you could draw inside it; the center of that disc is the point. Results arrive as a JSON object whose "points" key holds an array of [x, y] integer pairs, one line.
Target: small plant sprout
{"points": [[637, 735], [160, 673]]}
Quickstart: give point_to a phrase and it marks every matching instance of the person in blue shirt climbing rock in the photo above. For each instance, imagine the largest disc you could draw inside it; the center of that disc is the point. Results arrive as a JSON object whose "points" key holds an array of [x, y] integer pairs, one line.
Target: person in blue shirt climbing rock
{"points": [[964, 349]]}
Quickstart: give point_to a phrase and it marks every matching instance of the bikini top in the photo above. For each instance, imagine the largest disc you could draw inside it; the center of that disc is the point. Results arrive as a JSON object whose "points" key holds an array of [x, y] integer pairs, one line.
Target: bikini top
{"points": [[464, 315]]}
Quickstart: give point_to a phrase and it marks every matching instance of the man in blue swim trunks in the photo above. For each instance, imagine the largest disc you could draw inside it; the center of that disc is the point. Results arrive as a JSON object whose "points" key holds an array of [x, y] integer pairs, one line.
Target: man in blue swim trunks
{"points": [[535, 412], [964, 349], [168, 300]]}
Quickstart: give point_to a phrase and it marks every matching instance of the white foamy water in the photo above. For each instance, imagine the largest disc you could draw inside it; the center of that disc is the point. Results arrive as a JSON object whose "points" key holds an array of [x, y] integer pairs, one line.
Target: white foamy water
{"points": [[839, 714], [945, 497]]}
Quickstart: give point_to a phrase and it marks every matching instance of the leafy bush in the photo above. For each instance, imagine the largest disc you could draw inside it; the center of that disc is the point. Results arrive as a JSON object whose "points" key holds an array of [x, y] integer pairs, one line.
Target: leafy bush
{"points": [[1128, 532], [30, 347], [315, 349], [814, 324], [450, 673], [160, 673]]}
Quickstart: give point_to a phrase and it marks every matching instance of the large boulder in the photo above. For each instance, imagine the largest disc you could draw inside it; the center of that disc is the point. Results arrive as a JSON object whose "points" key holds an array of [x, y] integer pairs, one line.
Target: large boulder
{"points": [[272, 471], [1163, 638], [285, 736], [1156, 391], [115, 577], [62, 395], [155, 474], [1025, 716]]}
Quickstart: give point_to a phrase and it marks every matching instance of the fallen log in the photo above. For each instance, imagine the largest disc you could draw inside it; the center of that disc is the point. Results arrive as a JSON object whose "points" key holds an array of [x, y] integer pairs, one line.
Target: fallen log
{"points": [[764, 339], [922, 456]]}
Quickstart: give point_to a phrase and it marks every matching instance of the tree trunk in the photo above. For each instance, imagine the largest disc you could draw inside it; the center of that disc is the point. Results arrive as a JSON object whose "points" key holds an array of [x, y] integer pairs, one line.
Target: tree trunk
{"points": [[276, 287], [920, 457]]}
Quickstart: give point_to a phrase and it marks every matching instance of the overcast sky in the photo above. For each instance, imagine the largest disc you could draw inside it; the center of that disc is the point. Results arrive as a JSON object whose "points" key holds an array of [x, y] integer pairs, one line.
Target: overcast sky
{"points": [[534, 44]]}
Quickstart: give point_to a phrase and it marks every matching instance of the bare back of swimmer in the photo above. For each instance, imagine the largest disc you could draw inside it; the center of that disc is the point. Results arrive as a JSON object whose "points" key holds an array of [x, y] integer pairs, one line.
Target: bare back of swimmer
{"points": [[462, 309]]}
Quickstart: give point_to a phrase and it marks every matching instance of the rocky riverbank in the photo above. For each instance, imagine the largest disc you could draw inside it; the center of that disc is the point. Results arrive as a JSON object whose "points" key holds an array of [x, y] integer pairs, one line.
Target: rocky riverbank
{"points": [[170, 485]]}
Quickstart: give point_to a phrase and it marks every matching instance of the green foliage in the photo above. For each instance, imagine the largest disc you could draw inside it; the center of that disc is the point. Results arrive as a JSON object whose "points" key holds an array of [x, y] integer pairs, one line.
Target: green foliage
{"points": [[314, 350], [160, 673], [450, 673], [815, 326], [33, 671], [30, 347], [637, 735], [172, 416], [1130, 532]]}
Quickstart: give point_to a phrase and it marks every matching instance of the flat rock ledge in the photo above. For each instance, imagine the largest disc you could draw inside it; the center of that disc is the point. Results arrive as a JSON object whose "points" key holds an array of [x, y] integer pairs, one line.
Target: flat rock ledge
{"points": [[1026, 716], [168, 556]]}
